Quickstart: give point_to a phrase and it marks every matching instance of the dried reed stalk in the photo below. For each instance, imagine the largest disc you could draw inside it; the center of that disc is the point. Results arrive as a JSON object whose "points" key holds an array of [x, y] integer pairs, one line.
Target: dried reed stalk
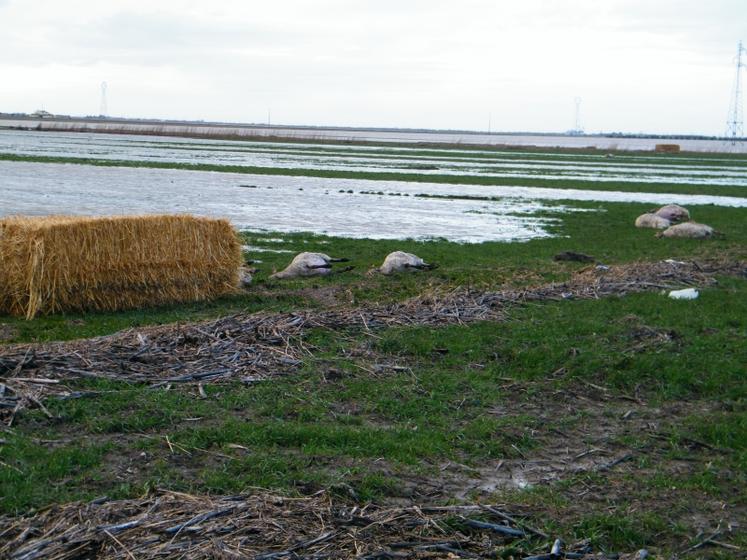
{"points": [[265, 526]]}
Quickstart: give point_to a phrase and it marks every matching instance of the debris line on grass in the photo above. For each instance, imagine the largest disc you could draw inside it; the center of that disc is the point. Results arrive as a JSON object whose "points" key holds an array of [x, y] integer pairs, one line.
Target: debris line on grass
{"points": [[265, 526], [262, 345]]}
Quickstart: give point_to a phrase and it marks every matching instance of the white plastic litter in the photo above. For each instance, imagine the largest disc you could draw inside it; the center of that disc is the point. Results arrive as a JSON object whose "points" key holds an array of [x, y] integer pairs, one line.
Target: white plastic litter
{"points": [[688, 293]]}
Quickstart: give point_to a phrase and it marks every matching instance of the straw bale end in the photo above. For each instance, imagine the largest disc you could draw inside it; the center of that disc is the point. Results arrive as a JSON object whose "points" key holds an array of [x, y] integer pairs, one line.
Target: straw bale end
{"points": [[54, 264]]}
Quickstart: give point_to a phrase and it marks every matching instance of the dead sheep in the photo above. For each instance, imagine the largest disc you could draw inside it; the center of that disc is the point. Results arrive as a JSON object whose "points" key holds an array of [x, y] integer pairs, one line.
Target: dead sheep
{"points": [[673, 213], [692, 230], [651, 220], [308, 264], [399, 261]]}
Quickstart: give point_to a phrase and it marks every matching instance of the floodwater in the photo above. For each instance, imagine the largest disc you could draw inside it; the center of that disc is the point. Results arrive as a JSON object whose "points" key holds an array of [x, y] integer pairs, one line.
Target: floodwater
{"points": [[337, 207], [343, 135], [262, 203], [374, 159]]}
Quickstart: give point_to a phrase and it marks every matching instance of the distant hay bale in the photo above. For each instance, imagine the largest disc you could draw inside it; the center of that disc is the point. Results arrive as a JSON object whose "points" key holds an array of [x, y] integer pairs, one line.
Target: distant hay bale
{"points": [[667, 148], [63, 263]]}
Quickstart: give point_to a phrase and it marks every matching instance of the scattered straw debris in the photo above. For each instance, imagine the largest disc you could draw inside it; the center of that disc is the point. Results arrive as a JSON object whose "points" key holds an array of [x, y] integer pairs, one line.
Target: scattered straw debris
{"points": [[259, 346], [268, 527]]}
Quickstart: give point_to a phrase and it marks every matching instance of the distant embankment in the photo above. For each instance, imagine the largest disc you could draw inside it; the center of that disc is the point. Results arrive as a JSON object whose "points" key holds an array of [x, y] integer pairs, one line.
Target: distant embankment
{"points": [[221, 131]]}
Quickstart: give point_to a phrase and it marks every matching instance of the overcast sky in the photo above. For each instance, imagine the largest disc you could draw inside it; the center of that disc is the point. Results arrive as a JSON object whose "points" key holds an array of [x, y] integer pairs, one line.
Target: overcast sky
{"points": [[638, 65]]}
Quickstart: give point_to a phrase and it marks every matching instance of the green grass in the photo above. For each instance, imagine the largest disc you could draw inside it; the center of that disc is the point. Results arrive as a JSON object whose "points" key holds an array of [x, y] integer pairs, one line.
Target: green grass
{"points": [[334, 425], [607, 348], [490, 265], [84, 325], [579, 374]]}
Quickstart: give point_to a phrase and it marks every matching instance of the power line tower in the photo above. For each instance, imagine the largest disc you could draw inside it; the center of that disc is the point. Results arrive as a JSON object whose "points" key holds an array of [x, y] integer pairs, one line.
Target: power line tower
{"points": [[577, 130], [735, 122], [577, 126], [103, 109]]}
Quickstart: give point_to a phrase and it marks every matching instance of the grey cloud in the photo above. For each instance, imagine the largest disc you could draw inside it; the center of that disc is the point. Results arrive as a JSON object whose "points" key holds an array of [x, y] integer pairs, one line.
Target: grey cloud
{"points": [[374, 59], [147, 39]]}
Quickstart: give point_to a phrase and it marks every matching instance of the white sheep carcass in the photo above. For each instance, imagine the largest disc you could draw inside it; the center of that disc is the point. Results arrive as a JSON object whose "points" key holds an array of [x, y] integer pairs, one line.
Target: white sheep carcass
{"points": [[308, 264], [692, 230], [399, 261], [651, 220], [673, 213]]}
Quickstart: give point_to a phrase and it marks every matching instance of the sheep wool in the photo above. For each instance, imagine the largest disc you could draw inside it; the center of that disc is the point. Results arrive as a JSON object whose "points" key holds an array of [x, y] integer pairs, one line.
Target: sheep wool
{"points": [[673, 213], [308, 264], [692, 230], [399, 261], [651, 220]]}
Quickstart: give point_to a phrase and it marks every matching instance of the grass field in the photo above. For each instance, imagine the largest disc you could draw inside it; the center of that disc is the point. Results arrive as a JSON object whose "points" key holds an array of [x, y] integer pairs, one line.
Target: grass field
{"points": [[622, 420]]}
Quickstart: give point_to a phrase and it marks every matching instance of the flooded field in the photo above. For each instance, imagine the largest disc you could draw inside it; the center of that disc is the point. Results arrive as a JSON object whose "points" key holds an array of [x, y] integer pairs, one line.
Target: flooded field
{"points": [[345, 207], [282, 204], [337, 207], [631, 169]]}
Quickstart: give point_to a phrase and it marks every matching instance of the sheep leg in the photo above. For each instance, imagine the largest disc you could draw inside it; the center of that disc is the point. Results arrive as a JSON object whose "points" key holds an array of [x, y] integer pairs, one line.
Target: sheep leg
{"points": [[316, 266], [343, 269], [340, 259]]}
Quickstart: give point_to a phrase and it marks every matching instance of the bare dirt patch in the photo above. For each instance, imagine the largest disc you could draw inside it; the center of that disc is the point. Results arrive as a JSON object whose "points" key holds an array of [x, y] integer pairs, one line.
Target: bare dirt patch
{"points": [[6, 333], [328, 296], [580, 431]]}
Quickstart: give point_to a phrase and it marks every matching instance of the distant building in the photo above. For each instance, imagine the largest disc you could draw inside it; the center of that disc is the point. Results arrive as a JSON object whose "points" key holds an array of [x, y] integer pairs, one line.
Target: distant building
{"points": [[41, 114]]}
